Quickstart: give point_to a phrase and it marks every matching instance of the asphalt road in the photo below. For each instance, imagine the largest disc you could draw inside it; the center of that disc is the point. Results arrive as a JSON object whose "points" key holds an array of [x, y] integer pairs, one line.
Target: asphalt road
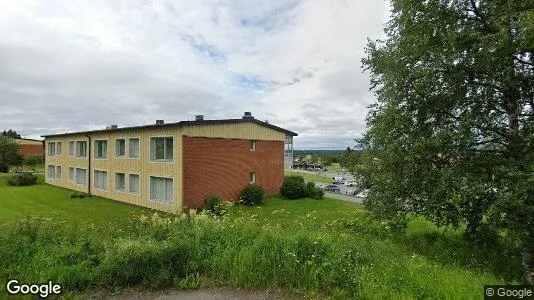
{"points": [[343, 197]]}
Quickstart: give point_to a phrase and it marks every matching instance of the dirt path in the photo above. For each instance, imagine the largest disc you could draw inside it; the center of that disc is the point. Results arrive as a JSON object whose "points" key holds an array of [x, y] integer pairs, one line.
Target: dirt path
{"points": [[201, 294]]}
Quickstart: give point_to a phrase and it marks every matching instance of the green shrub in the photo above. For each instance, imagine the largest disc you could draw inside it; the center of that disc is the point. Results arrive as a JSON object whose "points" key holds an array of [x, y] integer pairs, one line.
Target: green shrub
{"points": [[212, 203], [251, 195], [22, 179], [78, 195], [314, 192], [294, 187]]}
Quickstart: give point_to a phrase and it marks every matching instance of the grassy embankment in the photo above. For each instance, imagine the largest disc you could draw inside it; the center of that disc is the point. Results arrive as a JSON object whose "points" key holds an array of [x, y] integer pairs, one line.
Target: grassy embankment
{"points": [[322, 247]]}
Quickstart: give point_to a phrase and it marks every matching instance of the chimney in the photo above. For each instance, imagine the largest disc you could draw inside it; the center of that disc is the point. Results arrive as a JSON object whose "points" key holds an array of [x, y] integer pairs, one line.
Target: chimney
{"points": [[199, 118], [248, 115], [160, 122]]}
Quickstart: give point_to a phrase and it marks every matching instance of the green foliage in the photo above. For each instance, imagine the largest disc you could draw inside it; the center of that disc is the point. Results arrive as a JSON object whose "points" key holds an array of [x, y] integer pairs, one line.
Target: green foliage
{"points": [[452, 134], [22, 179], [32, 161], [365, 261], [78, 195], [350, 158], [314, 192], [213, 204], [10, 134], [193, 281], [251, 195], [9, 153], [293, 187]]}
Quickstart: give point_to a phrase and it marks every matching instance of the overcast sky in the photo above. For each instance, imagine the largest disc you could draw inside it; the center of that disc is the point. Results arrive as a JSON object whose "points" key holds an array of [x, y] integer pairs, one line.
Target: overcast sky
{"points": [[76, 65]]}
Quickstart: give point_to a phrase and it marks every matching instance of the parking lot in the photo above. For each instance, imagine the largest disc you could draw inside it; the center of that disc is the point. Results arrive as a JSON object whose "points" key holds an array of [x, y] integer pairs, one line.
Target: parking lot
{"points": [[343, 189]]}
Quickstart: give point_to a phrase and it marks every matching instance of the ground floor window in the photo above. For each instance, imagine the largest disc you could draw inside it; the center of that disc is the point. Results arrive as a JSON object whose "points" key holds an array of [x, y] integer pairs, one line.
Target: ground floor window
{"points": [[51, 172], [81, 176], [133, 184], [101, 180], [58, 172], [120, 182], [161, 190], [71, 174], [252, 177]]}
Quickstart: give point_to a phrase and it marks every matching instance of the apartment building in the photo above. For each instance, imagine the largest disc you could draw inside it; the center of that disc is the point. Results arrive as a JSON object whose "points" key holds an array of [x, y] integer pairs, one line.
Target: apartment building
{"points": [[170, 166]]}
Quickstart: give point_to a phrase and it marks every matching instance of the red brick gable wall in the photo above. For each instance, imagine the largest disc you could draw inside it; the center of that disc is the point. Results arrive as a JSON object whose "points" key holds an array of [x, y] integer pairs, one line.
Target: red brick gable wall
{"points": [[222, 167], [31, 150]]}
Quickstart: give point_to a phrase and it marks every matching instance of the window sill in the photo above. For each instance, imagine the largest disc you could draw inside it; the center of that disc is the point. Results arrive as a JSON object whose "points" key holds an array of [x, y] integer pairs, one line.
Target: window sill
{"points": [[160, 202], [162, 161]]}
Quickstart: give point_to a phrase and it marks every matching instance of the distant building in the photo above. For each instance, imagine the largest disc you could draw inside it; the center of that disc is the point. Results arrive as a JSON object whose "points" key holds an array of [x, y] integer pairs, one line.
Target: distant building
{"points": [[171, 166], [29, 147]]}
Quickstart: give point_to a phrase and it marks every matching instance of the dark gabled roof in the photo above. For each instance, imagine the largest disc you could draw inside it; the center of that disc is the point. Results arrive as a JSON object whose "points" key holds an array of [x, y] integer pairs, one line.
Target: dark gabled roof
{"points": [[179, 124]]}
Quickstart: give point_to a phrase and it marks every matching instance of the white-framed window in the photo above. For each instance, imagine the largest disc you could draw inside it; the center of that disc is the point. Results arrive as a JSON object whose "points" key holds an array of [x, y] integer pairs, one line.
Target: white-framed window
{"points": [[101, 180], [81, 148], [58, 148], [101, 149], [51, 149], [252, 145], [133, 184], [58, 172], [51, 172], [161, 190], [71, 148], [120, 182], [120, 147], [81, 176], [161, 148], [252, 177], [133, 148], [71, 173]]}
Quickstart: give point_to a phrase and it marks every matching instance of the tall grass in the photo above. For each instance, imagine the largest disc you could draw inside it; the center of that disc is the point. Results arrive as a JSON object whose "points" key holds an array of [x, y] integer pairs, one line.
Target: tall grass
{"points": [[158, 252]]}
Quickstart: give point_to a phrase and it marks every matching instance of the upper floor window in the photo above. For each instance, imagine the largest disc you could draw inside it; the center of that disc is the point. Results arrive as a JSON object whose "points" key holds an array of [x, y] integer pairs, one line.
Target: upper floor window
{"points": [[81, 148], [58, 148], [133, 148], [120, 147], [252, 145], [101, 149], [71, 148], [51, 148], [161, 148]]}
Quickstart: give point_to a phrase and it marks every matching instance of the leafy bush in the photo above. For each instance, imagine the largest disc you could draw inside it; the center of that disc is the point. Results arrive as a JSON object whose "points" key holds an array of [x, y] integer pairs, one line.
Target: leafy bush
{"points": [[22, 179], [294, 187], [251, 195], [78, 195], [32, 161], [212, 203], [314, 192]]}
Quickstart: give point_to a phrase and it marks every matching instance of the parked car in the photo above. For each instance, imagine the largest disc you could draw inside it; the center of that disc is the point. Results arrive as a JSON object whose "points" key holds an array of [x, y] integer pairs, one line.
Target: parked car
{"points": [[362, 194], [351, 183], [332, 188], [320, 185]]}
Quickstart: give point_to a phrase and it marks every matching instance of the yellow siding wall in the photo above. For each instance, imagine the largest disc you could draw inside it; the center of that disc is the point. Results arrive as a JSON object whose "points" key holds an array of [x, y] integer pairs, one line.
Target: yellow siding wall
{"points": [[143, 166]]}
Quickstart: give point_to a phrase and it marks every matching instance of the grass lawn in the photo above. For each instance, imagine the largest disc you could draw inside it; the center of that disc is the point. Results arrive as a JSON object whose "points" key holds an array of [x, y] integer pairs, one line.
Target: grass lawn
{"points": [[46, 201], [319, 247], [310, 177]]}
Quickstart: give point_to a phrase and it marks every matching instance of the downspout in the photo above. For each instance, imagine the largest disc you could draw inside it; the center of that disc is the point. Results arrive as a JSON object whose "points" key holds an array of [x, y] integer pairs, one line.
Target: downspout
{"points": [[88, 164]]}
